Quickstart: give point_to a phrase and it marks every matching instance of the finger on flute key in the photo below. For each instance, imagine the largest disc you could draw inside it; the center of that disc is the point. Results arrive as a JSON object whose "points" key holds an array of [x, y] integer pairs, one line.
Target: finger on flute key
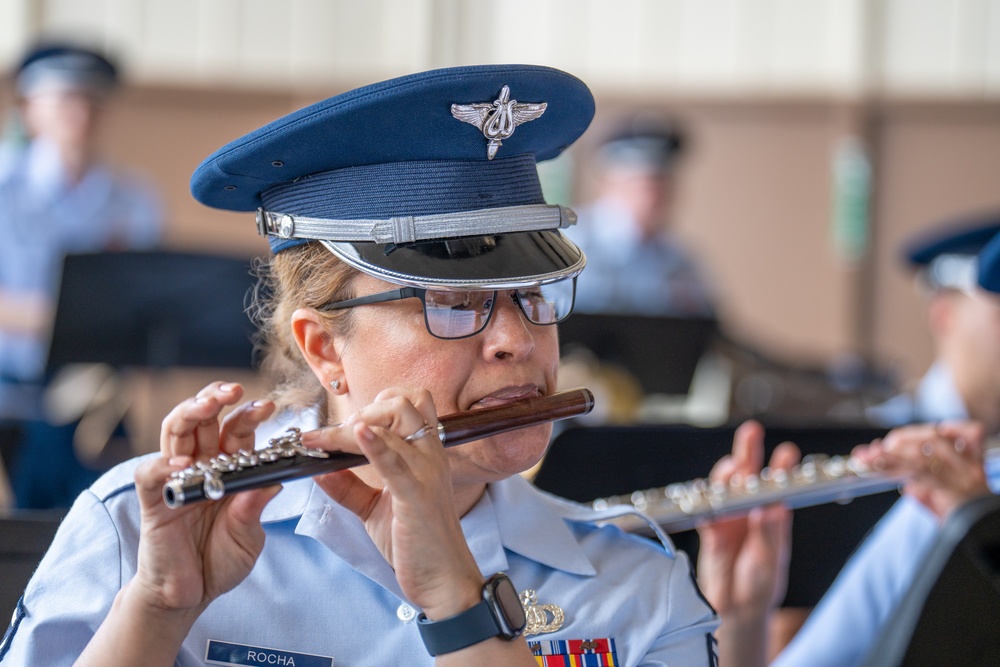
{"points": [[192, 427], [239, 427]]}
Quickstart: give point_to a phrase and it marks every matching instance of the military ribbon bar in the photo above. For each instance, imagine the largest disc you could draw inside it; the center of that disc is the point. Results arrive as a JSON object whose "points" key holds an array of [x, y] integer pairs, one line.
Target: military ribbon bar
{"points": [[575, 652]]}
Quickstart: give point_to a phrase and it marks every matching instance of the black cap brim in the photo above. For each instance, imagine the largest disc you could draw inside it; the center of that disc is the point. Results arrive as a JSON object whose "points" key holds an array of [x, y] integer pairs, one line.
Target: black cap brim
{"points": [[499, 261]]}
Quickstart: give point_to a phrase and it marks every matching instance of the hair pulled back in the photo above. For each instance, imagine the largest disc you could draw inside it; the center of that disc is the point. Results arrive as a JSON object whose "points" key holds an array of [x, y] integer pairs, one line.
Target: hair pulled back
{"points": [[305, 276]]}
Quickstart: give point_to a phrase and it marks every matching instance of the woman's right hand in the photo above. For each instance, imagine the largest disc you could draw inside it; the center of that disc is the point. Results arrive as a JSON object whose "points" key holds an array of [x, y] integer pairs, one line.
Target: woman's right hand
{"points": [[191, 555], [187, 556]]}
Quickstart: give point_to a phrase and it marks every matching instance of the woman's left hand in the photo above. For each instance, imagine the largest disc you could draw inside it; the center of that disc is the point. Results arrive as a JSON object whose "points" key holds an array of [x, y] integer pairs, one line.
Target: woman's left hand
{"points": [[412, 519], [743, 562], [943, 462]]}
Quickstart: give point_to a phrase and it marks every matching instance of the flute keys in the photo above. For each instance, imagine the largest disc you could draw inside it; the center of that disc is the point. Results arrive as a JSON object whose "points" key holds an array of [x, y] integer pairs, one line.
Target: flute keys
{"points": [[638, 499], [214, 488], [314, 453], [836, 467], [246, 458], [269, 455], [224, 463]]}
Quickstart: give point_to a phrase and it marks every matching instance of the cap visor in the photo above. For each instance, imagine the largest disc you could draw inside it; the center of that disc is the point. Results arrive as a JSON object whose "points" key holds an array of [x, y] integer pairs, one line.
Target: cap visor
{"points": [[500, 261]]}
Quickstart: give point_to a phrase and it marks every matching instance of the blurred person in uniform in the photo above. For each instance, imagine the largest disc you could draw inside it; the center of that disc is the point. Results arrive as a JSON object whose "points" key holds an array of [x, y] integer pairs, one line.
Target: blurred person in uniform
{"points": [[57, 196], [963, 382], [958, 405], [636, 265]]}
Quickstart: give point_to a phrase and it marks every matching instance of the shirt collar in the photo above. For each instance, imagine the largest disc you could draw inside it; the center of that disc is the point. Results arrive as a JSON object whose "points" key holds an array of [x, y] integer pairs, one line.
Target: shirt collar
{"points": [[613, 225], [44, 170], [47, 178], [937, 398], [533, 527]]}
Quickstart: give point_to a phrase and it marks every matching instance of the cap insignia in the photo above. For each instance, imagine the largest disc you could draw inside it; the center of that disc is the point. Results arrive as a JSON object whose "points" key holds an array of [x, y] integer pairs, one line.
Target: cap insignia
{"points": [[497, 119]]}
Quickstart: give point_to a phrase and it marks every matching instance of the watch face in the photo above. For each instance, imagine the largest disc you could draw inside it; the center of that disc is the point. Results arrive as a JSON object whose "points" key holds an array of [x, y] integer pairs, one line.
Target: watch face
{"points": [[502, 593]]}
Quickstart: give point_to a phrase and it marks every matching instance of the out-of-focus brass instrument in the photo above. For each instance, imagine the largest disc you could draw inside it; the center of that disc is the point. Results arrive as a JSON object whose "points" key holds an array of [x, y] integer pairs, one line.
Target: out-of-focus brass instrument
{"points": [[817, 480]]}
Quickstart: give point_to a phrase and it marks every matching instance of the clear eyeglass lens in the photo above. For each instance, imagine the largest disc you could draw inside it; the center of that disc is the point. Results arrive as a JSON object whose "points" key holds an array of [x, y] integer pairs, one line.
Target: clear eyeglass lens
{"points": [[547, 304], [456, 314]]}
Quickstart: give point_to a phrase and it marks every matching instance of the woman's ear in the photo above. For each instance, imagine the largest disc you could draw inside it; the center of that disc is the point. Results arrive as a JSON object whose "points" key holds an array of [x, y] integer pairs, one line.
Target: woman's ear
{"points": [[317, 345]]}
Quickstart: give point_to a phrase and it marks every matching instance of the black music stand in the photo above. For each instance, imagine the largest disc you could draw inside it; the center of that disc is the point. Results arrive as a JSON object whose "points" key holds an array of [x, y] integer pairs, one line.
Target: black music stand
{"points": [[951, 612], [24, 539], [584, 463], [153, 309], [660, 352]]}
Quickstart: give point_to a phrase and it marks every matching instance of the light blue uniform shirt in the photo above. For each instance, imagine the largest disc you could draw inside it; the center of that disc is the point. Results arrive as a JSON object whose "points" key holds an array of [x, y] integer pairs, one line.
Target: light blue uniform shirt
{"points": [[935, 399], [845, 625], [626, 274], [44, 216], [321, 587]]}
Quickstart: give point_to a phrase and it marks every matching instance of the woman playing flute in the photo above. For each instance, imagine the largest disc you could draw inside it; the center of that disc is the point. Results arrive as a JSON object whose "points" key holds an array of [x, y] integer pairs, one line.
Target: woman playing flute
{"points": [[416, 273]]}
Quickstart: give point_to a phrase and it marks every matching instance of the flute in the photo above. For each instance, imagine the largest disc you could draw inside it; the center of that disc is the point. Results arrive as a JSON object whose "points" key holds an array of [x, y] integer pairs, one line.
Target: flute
{"points": [[819, 479], [285, 458]]}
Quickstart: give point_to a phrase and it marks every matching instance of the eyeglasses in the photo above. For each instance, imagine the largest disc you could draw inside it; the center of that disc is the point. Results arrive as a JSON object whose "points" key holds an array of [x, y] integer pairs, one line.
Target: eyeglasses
{"points": [[454, 314]]}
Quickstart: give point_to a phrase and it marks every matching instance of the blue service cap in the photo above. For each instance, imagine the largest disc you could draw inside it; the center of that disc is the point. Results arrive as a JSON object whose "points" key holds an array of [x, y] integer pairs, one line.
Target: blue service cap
{"points": [[644, 141], [946, 256], [989, 265], [62, 66], [426, 180]]}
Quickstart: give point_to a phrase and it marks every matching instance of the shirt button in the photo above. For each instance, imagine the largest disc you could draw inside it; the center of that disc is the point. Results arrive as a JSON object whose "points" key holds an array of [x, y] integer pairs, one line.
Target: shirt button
{"points": [[406, 613]]}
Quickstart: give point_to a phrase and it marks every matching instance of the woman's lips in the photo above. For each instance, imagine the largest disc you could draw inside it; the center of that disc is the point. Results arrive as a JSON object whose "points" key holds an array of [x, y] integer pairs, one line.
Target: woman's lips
{"points": [[507, 395]]}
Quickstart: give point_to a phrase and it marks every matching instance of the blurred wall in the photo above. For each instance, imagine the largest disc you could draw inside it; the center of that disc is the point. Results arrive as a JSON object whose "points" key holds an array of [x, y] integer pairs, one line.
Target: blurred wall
{"points": [[768, 88]]}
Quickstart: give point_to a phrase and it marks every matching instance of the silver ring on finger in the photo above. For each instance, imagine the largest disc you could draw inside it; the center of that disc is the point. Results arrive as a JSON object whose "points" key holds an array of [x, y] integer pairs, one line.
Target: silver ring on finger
{"points": [[423, 432]]}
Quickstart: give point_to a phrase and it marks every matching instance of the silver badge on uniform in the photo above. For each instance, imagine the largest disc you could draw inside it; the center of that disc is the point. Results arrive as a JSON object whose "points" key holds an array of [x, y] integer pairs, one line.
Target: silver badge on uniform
{"points": [[541, 618]]}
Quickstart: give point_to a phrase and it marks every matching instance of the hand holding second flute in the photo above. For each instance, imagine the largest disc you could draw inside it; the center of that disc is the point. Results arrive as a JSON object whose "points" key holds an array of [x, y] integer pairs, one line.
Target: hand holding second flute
{"points": [[944, 462]]}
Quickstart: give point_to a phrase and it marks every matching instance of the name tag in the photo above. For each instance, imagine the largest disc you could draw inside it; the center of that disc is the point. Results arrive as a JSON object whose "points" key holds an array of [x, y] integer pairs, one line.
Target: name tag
{"points": [[597, 652], [225, 653]]}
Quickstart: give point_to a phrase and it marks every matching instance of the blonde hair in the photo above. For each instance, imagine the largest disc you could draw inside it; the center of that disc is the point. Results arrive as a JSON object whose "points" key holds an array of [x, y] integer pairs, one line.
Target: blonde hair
{"points": [[305, 276]]}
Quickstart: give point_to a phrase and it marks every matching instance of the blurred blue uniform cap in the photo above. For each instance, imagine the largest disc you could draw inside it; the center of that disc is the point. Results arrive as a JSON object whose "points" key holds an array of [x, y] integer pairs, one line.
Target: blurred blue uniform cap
{"points": [[989, 265], [428, 179], [57, 66], [947, 256], [644, 141]]}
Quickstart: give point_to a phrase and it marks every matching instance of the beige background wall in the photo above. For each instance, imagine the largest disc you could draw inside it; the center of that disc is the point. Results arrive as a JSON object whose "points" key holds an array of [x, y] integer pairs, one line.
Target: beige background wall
{"points": [[755, 199], [767, 88]]}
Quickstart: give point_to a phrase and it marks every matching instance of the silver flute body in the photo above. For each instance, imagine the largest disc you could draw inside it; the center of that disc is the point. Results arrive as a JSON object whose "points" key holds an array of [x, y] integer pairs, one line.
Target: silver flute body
{"points": [[819, 479], [286, 458]]}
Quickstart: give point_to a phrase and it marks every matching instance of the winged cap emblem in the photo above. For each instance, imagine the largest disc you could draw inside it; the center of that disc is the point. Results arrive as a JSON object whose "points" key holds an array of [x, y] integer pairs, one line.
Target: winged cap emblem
{"points": [[497, 119]]}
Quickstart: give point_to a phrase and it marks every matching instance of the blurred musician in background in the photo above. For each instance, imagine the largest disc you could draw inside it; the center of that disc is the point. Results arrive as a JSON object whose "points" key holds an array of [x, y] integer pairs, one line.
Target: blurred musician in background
{"points": [[56, 197], [964, 322], [384, 327], [945, 458], [635, 263]]}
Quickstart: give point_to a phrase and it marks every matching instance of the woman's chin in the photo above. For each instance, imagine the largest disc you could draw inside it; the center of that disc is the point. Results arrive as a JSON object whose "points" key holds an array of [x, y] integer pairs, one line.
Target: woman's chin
{"points": [[507, 454]]}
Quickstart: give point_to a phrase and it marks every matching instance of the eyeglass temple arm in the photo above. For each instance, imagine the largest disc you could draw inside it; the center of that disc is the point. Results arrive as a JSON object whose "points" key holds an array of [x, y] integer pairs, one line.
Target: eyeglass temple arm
{"points": [[391, 295]]}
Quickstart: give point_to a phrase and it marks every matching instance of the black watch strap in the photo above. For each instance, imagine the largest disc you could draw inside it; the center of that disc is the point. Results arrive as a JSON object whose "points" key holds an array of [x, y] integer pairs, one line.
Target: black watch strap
{"points": [[465, 629]]}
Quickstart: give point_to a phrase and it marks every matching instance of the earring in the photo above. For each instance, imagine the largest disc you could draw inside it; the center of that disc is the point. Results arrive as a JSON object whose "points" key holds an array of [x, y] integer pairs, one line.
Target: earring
{"points": [[335, 384]]}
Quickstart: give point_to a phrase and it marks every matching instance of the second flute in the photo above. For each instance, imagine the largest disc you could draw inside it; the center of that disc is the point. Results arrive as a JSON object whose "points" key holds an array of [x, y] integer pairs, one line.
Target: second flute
{"points": [[286, 458]]}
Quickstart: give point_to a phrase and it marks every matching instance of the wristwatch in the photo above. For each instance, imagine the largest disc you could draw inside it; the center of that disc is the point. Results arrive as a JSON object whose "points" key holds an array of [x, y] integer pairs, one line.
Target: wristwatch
{"points": [[500, 614]]}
